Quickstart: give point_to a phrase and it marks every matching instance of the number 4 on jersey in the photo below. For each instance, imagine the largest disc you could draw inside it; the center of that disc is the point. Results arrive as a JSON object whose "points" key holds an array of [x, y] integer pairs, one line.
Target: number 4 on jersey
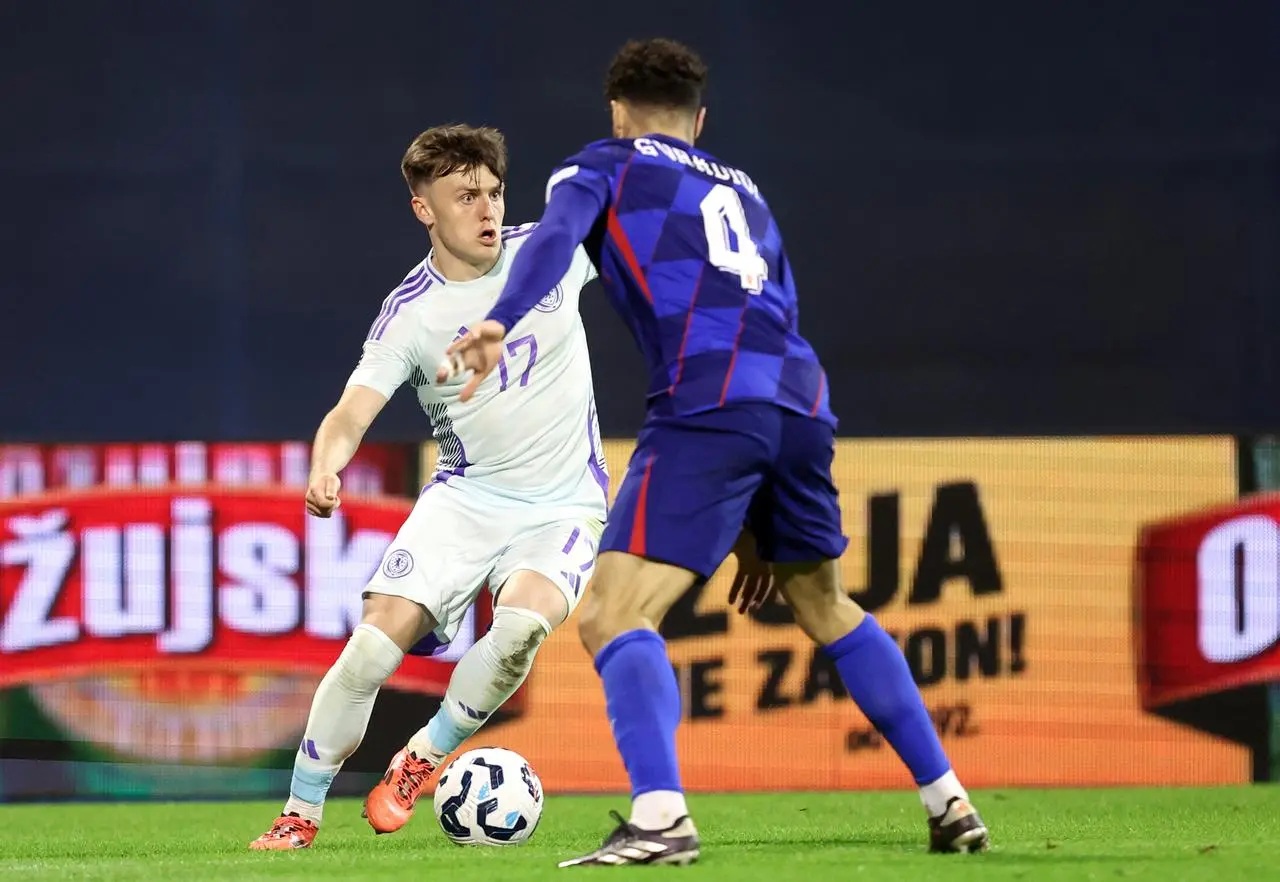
{"points": [[729, 244]]}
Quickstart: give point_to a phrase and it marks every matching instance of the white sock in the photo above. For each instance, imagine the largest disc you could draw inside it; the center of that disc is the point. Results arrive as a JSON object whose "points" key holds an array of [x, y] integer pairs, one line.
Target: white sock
{"points": [[658, 809], [313, 812], [339, 717], [935, 796], [485, 677]]}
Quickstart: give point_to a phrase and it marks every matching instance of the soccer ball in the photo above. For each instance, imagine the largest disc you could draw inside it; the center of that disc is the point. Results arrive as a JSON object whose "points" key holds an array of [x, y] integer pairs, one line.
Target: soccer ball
{"points": [[489, 796]]}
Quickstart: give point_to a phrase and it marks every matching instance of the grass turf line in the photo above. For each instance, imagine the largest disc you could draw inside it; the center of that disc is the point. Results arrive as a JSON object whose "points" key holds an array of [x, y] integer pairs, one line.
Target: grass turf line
{"points": [[1167, 834]]}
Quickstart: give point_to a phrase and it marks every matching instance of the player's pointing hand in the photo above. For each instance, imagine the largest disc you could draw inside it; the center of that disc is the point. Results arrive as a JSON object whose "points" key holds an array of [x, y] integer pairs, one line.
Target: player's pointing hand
{"points": [[478, 350]]}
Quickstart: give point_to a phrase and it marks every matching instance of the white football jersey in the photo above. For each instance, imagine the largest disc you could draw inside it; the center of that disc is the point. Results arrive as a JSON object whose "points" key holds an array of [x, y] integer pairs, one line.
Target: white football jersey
{"points": [[530, 433]]}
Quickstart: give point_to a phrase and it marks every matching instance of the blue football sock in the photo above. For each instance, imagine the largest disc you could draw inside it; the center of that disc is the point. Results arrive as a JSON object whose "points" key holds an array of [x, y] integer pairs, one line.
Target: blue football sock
{"points": [[876, 674], [643, 701], [311, 785]]}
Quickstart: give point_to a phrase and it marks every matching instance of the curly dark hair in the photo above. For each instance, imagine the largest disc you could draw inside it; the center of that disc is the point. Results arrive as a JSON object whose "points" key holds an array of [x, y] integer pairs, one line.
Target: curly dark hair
{"points": [[658, 73]]}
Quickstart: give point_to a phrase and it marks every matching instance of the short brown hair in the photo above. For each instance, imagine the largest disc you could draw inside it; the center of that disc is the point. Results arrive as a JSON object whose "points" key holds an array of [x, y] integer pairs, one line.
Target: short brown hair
{"points": [[440, 151], [657, 73]]}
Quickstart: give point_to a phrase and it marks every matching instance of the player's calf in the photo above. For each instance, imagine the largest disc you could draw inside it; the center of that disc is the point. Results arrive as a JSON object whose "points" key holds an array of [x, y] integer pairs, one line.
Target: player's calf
{"points": [[878, 679], [486, 676], [620, 617], [340, 714]]}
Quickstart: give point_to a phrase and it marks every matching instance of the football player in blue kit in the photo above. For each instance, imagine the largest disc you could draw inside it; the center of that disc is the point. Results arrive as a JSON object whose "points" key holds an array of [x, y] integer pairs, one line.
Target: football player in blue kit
{"points": [[736, 450]]}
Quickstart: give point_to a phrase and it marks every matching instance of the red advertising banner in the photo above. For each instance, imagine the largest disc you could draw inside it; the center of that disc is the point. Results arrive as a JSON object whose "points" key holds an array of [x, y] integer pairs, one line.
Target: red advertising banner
{"points": [[174, 603], [1208, 601], [219, 580]]}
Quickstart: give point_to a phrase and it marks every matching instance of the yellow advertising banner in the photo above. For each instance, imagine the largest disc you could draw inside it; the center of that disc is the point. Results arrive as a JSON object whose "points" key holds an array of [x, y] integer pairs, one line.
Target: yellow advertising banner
{"points": [[1004, 570]]}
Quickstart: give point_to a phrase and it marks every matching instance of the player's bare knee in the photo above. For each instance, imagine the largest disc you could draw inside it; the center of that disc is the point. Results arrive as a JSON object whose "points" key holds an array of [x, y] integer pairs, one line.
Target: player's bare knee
{"points": [[592, 629], [404, 621], [628, 593], [815, 592], [525, 589], [604, 614]]}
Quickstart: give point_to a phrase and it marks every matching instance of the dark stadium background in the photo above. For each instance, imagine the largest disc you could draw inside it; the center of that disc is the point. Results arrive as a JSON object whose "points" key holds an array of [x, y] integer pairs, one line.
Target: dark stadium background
{"points": [[1016, 218]]}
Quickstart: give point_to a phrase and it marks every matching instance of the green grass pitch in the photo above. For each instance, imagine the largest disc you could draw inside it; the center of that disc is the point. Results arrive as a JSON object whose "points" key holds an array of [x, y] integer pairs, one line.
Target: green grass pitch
{"points": [[1169, 834]]}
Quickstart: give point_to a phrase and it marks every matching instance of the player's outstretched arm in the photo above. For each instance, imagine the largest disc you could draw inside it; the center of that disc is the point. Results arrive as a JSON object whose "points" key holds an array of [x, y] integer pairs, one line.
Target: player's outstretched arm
{"points": [[574, 204], [337, 440], [571, 212]]}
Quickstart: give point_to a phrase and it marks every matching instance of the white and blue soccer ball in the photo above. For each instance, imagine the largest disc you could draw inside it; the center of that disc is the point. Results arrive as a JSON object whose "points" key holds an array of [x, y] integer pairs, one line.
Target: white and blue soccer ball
{"points": [[489, 796]]}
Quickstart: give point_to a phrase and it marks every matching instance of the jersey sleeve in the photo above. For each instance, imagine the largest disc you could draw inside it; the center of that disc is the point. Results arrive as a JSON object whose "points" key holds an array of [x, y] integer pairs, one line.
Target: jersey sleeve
{"points": [[390, 354], [577, 194], [591, 171]]}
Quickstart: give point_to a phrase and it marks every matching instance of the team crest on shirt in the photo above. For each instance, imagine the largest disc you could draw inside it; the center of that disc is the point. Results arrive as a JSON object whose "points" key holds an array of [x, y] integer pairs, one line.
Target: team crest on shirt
{"points": [[398, 564], [552, 301]]}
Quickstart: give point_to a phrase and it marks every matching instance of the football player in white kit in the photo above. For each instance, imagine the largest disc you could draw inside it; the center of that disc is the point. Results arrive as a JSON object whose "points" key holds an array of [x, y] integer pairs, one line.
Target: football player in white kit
{"points": [[517, 501]]}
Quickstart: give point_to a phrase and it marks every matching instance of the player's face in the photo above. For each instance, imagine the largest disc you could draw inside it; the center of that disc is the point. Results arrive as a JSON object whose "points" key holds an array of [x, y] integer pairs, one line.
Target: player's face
{"points": [[464, 212]]}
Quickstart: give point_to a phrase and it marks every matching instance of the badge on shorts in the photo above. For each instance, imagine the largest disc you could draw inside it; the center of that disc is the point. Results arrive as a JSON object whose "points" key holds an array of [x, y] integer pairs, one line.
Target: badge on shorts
{"points": [[398, 564]]}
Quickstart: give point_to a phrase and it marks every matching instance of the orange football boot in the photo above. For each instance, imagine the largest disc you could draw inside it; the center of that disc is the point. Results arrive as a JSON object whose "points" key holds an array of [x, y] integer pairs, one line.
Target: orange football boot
{"points": [[288, 831], [389, 805]]}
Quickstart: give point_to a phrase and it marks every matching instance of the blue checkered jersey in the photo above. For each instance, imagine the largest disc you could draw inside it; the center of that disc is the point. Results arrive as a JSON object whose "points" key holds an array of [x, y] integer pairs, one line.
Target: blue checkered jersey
{"points": [[691, 257]]}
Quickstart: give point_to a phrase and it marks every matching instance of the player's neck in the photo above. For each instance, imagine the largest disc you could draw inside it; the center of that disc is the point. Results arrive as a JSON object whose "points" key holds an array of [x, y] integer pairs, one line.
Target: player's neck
{"points": [[455, 269], [683, 136], [662, 125]]}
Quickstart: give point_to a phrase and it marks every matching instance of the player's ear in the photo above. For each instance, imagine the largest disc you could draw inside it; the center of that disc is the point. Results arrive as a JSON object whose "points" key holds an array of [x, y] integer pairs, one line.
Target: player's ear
{"points": [[698, 121], [422, 211], [619, 114]]}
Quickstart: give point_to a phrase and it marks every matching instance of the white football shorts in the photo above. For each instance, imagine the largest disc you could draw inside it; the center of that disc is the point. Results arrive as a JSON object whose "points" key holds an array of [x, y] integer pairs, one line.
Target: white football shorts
{"points": [[455, 541]]}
